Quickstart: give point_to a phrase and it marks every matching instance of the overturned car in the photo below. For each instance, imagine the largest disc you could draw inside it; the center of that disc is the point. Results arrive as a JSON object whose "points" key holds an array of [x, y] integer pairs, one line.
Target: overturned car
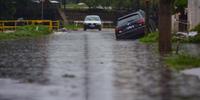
{"points": [[131, 26]]}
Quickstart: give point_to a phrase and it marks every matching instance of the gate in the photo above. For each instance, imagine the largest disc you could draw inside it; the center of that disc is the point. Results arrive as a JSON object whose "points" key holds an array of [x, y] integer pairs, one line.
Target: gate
{"points": [[13, 24]]}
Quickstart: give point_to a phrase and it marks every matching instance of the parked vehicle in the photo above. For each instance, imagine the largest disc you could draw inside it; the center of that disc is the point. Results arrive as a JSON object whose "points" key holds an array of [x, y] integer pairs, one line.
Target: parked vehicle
{"points": [[92, 22], [130, 26]]}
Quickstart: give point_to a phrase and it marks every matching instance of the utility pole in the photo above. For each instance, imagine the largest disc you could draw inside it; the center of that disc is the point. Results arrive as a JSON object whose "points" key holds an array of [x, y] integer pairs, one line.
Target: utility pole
{"points": [[147, 3], [64, 3], [60, 3], [165, 45], [42, 9]]}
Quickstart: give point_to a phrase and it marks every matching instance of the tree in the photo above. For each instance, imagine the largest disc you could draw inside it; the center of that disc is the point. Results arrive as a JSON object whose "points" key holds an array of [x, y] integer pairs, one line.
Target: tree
{"points": [[64, 3], [180, 5], [116, 4], [7, 9], [106, 3], [91, 3], [165, 45]]}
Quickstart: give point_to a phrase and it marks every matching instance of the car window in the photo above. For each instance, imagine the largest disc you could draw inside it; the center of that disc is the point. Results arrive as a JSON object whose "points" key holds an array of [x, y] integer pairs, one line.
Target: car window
{"points": [[128, 19], [142, 13], [92, 18]]}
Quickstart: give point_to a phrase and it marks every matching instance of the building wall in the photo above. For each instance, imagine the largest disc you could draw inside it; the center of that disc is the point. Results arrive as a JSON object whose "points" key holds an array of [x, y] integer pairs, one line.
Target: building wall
{"points": [[193, 12]]}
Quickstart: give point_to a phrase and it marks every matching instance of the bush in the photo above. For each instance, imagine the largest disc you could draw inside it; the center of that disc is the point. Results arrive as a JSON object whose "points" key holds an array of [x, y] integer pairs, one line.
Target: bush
{"points": [[153, 37], [195, 39], [197, 28]]}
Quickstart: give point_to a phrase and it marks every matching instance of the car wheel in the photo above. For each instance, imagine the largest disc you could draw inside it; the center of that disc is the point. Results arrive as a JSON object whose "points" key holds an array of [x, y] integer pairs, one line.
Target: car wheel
{"points": [[100, 28], [116, 36]]}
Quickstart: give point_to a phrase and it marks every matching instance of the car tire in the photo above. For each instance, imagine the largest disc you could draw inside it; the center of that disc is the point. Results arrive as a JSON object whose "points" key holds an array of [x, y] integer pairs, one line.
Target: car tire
{"points": [[100, 29], [117, 37]]}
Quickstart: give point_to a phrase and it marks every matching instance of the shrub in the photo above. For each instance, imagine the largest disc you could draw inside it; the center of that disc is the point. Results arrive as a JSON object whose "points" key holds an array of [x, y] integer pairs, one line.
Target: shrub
{"points": [[197, 28]]}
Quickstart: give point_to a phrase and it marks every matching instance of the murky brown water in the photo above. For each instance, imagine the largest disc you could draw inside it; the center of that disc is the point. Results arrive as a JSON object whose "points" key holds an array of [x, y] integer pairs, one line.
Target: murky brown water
{"points": [[88, 66]]}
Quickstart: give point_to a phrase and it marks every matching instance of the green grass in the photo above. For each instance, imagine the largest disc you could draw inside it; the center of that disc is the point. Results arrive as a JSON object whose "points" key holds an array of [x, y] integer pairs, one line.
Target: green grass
{"points": [[150, 38], [25, 32], [72, 27], [182, 61], [75, 6]]}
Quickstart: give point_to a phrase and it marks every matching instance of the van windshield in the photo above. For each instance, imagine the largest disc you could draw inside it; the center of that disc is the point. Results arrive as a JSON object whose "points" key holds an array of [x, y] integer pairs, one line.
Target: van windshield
{"points": [[92, 18]]}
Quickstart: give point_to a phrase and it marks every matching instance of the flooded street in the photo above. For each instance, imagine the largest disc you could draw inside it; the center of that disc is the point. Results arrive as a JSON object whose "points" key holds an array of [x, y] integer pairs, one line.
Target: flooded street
{"points": [[89, 65]]}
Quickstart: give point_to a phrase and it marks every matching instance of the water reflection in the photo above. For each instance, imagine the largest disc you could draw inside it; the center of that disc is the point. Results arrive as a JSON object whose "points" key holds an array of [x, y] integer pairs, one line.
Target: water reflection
{"points": [[24, 60], [88, 66], [141, 75], [191, 49], [166, 77]]}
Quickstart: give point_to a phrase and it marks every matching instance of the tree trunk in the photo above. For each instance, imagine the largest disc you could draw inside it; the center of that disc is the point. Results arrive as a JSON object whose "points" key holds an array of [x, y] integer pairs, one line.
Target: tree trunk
{"points": [[64, 3], [147, 4], [165, 45]]}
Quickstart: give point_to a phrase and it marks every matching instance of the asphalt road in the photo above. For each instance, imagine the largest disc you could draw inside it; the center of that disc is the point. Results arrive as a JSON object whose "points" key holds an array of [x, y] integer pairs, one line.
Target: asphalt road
{"points": [[89, 65]]}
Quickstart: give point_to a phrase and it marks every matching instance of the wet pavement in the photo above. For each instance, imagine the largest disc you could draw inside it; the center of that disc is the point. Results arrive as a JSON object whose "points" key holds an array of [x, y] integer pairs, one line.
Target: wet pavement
{"points": [[88, 65]]}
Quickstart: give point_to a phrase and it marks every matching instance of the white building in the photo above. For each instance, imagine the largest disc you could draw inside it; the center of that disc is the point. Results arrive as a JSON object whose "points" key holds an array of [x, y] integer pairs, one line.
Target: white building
{"points": [[193, 13]]}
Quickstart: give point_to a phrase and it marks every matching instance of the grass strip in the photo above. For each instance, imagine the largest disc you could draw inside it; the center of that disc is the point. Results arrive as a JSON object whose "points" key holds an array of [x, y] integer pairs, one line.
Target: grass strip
{"points": [[25, 32], [182, 61]]}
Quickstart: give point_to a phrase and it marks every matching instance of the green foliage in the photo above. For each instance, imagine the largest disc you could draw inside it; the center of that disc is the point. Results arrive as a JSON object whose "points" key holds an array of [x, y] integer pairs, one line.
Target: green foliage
{"points": [[92, 3], [72, 27], [197, 28], [182, 61], [25, 32], [150, 38], [195, 39], [180, 5], [153, 37], [75, 6], [9, 7], [116, 4]]}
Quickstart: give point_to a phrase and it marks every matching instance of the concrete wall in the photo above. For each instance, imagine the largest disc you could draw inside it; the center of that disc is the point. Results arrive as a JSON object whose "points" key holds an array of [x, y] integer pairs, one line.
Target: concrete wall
{"points": [[175, 24], [193, 12]]}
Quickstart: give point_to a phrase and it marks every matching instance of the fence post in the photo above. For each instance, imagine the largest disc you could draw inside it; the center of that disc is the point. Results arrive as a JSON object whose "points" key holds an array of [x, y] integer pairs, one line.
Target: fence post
{"points": [[50, 25], [2, 26], [15, 25], [58, 24], [27, 23]]}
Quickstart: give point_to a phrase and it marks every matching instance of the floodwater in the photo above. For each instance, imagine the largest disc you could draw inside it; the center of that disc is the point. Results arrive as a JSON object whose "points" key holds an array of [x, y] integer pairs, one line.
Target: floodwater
{"points": [[89, 65]]}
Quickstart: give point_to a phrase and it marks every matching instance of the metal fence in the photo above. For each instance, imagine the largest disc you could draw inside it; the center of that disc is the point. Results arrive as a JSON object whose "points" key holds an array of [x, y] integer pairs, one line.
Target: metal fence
{"points": [[6, 25], [105, 24]]}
